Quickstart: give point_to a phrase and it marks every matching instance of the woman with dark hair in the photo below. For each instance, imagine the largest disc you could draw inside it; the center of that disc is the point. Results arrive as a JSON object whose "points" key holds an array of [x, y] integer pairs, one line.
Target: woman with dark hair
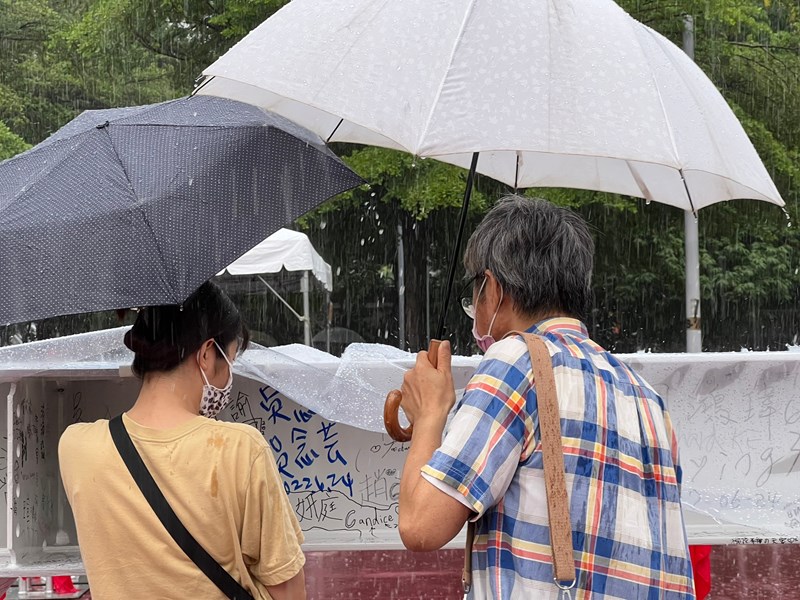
{"points": [[219, 478]]}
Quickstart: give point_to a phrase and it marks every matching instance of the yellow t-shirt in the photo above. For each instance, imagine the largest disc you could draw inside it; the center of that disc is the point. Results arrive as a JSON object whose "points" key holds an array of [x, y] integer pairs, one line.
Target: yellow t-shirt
{"points": [[219, 478]]}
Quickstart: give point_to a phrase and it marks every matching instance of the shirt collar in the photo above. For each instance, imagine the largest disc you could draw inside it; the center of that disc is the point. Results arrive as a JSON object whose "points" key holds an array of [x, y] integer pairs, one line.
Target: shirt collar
{"points": [[560, 326]]}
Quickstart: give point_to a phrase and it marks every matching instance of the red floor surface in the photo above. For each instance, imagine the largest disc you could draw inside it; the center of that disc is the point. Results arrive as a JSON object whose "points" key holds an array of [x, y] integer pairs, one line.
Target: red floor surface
{"points": [[738, 573]]}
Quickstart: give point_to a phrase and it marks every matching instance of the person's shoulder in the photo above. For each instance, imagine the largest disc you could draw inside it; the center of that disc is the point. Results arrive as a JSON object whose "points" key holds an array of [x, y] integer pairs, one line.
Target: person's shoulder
{"points": [[629, 374], [83, 436], [78, 431], [247, 434], [508, 350]]}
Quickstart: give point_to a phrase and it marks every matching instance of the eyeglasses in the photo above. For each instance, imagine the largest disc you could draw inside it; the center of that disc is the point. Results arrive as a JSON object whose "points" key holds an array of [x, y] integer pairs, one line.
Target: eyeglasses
{"points": [[469, 308], [466, 301]]}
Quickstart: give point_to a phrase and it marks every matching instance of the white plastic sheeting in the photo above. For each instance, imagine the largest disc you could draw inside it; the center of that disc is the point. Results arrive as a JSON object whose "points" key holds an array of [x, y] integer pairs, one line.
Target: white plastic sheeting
{"points": [[348, 390], [737, 414]]}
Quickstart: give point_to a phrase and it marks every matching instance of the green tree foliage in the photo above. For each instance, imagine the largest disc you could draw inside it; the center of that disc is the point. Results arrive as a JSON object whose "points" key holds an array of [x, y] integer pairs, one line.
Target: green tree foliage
{"points": [[175, 39], [10, 142]]}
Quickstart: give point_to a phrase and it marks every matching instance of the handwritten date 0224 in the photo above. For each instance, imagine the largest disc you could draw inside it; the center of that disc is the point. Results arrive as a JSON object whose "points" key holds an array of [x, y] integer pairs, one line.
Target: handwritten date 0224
{"points": [[308, 441]]}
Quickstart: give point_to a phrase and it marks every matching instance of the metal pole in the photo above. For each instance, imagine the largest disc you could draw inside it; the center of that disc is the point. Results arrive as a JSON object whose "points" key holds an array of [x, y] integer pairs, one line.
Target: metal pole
{"points": [[328, 325], [305, 286], [694, 334], [401, 289], [688, 35]]}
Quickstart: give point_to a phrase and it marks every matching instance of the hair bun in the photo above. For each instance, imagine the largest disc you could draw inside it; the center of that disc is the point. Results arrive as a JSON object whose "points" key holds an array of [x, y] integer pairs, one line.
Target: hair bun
{"points": [[152, 351], [134, 342]]}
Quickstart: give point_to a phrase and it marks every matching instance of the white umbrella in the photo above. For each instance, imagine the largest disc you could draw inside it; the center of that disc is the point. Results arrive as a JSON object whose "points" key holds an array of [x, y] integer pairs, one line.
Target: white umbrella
{"points": [[567, 93]]}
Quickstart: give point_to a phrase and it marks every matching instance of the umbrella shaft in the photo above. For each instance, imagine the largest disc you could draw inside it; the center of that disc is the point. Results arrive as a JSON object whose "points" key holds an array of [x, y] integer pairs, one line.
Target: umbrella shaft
{"points": [[457, 249]]}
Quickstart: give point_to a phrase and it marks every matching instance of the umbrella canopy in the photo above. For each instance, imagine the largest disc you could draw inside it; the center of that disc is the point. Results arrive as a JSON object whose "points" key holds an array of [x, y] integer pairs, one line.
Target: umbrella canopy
{"points": [[284, 249], [572, 93], [139, 206], [338, 335]]}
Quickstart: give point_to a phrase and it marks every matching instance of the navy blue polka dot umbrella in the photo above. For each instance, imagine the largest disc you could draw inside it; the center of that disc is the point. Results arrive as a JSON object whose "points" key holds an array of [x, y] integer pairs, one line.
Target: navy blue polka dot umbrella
{"points": [[139, 206]]}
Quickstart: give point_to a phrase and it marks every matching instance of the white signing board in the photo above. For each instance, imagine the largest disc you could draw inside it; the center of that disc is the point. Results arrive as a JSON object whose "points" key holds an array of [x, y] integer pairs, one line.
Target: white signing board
{"points": [[343, 482]]}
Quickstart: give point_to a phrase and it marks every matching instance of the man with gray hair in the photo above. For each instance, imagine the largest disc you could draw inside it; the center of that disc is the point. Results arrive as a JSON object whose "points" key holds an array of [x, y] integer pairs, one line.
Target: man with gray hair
{"points": [[530, 264]]}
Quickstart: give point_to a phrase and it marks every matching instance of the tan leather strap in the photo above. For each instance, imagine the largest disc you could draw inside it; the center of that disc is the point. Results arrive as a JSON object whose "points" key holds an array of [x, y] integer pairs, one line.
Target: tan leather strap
{"points": [[466, 573], [553, 458]]}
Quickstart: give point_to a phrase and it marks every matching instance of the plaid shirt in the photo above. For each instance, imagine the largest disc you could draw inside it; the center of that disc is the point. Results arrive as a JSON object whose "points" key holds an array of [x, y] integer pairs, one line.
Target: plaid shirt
{"points": [[622, 474]]}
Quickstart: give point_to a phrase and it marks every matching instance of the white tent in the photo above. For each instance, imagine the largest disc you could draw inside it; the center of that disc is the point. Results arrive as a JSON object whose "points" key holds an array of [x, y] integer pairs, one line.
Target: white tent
{"points": [[290, 250]]}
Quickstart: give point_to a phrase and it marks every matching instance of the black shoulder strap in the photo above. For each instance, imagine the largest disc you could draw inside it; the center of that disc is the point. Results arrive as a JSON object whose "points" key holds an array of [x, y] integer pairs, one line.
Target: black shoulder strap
{"points": [[221, 578]]}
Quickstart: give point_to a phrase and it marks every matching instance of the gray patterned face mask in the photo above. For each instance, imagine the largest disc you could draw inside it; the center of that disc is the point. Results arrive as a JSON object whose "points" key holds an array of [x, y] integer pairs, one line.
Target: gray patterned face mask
{"points": [[215, 399]]}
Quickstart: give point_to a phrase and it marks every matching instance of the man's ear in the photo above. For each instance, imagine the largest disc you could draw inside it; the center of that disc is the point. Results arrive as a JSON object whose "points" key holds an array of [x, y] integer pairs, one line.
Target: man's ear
{"points": [[493, 291]]}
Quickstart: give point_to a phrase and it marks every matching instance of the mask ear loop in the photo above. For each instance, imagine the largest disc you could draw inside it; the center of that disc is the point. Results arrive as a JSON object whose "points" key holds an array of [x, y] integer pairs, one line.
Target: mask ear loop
{"points": [[230, 366], [497, 310], [221, 351], [478, 297]]}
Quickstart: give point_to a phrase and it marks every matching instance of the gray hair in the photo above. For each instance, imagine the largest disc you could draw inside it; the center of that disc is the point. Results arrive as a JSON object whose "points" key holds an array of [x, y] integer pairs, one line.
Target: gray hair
{"points": [[540, 253]]}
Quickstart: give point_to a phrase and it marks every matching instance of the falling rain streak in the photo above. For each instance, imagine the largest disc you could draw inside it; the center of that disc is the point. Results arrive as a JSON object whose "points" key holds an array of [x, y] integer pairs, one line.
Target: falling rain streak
{"points": [[64, 58]]}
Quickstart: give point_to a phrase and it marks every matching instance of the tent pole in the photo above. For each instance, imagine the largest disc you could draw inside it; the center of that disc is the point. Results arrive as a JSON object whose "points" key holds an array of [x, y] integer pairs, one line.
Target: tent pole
{"points": [[279, 297], [305, 286], [694, 334], [329, 322]]}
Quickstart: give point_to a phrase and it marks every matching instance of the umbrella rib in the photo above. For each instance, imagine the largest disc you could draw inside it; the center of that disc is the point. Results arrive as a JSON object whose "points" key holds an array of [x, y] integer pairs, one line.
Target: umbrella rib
{"points": [[335, 129], [206, 79], [146, 221], [457, 43], [688, 193], [761, 195], [646, 194]]}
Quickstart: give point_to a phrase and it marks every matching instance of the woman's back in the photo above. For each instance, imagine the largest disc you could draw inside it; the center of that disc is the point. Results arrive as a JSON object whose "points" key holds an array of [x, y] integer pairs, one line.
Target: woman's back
{"points": [[222, 482]]}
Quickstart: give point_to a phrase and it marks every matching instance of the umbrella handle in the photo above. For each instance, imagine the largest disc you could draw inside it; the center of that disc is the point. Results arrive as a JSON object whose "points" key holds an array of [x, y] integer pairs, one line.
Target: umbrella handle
{"points": [[391, 409]]}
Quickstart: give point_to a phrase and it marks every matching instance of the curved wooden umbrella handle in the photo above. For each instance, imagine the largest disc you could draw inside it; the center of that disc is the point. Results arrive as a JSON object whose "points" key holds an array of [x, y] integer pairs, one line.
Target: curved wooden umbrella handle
{"points": [[391, 409]]}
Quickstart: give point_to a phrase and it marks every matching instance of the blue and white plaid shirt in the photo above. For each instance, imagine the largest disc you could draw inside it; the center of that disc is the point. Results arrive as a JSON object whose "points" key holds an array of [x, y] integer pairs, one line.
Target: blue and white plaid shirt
{"points": [[622, 474]]}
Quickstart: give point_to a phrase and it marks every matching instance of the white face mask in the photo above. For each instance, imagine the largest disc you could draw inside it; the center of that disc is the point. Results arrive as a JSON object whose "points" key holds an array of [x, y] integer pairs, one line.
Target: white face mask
{"points": [[215, 399]]}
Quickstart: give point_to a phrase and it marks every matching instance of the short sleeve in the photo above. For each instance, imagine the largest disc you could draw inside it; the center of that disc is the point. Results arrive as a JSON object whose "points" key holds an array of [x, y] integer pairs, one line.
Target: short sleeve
{"points": [[485, 441], [271, 535]]}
